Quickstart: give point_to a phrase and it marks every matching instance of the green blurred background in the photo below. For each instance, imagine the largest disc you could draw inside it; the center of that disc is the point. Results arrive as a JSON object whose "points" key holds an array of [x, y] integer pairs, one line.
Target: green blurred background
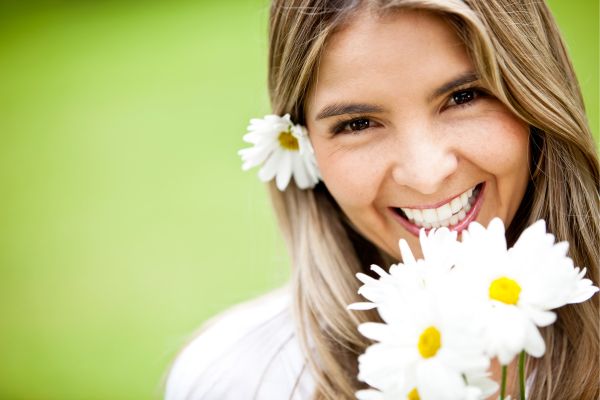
{"points": [[125, 219]]}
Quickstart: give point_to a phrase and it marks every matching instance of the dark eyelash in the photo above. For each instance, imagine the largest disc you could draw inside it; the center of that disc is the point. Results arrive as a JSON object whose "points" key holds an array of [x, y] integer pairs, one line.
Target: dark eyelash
{"points": [[479, 92], [340, 126]]}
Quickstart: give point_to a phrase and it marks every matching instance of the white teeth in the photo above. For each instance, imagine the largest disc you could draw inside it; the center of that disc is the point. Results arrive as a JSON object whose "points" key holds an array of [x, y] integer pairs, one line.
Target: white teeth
{"points": [[444, 212], [429, 215], [455, 205], [418, 216], [464, 199], [448, 214]]}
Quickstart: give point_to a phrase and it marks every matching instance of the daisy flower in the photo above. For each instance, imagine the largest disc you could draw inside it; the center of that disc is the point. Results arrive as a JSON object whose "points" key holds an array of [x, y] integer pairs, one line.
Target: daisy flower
{"points": [[283, 149], [425, 348], [519, 286], [429, 346]]}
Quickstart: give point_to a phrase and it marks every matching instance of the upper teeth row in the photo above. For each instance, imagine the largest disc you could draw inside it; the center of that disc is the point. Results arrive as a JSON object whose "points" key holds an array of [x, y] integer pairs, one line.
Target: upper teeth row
{"points": [[449, 214]]}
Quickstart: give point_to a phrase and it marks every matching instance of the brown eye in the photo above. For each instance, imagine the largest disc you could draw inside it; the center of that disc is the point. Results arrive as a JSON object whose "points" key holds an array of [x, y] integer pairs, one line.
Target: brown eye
{"points": [[463, 96], [359, 124], [355, 126]]}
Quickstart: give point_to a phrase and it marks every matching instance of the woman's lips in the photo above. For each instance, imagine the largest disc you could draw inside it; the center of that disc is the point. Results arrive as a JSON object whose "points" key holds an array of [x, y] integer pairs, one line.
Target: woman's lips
{"points": [[471, 215]]}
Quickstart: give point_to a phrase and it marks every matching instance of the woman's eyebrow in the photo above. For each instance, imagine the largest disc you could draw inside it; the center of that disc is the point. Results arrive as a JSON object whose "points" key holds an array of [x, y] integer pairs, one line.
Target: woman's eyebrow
{"points": [[333, 110], [460, 80], [336, 109]]}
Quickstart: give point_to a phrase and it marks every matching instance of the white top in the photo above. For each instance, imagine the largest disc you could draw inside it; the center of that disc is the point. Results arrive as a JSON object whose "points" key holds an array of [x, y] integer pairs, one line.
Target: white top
{"points": [[248, 352]]}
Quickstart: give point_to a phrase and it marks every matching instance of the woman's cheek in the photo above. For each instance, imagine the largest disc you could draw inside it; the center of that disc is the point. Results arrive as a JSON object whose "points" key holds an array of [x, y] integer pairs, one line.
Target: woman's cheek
{"points": [[349, 177], [509, 146], [497, 142]]}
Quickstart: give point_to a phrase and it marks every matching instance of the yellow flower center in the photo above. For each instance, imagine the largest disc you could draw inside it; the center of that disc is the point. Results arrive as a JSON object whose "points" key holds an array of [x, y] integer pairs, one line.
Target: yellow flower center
{"points": [[413, 395], [288, 141], [505, 290], [430, 342]]}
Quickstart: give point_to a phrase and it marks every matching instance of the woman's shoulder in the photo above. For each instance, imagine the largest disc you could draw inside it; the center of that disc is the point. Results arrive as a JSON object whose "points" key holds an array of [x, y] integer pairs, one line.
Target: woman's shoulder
{"points": [[250, 352]]}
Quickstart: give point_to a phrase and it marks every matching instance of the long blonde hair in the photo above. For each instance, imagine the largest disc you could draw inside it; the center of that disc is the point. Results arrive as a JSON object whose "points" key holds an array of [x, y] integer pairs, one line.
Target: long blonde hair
{"points": [[521, 58]]}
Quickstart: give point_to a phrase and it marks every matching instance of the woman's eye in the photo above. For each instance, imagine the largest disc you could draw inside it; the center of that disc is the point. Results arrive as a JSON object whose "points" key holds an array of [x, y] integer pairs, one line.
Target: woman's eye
{"points": [[353, 126], [359, 124], [463, 97]]}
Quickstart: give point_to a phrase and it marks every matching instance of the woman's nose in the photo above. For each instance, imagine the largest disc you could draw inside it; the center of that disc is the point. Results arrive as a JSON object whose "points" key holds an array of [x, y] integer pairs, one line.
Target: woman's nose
{"points": [[423, 163]]}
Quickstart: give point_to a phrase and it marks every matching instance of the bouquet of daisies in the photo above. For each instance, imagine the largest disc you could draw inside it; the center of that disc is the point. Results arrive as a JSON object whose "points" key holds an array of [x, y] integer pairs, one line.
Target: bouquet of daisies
{"points": [[445, 316]]}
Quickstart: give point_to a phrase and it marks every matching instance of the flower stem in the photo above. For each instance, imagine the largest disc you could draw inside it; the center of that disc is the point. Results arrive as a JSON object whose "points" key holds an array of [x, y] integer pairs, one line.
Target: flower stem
{"points": [[503, 384], [522, 375]]}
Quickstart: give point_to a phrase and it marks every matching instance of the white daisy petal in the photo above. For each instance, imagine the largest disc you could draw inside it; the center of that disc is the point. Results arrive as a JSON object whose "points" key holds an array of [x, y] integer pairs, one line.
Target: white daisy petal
{"points": [[299, 172], [534, 344], [540, 317], [378, 270], [284, 174], [310, 163], [530, 235], [407, 255], [375, 330], [361, 306], [271, 167], [483, 385], [369, 394], [256, 155], [583, 290], [366, 279]]}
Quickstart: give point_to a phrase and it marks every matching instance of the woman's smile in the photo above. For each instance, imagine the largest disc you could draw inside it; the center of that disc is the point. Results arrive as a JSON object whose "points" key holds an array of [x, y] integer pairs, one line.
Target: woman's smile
{"points": [[454, 213]]}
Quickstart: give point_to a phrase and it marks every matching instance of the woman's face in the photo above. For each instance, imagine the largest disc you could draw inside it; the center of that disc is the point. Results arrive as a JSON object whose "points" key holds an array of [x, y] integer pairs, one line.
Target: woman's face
{"points": [[404, 135]]}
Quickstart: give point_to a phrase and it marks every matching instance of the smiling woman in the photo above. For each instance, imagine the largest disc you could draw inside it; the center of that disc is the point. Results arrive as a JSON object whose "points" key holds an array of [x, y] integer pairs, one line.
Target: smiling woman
{"points": [[420, 114]]}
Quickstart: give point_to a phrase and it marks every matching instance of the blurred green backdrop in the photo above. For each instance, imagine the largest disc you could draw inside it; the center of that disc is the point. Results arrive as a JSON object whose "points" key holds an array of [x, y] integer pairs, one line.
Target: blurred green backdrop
{"points": [[125, 218]]}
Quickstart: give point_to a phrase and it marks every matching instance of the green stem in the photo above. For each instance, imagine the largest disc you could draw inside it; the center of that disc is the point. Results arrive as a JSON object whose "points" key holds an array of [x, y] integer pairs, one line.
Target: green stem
{"points": [[522, 375], [503, 384]]}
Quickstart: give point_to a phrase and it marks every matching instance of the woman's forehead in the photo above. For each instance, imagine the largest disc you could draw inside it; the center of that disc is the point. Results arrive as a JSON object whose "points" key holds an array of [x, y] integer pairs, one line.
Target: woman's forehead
{"points": [[372, 53]]}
